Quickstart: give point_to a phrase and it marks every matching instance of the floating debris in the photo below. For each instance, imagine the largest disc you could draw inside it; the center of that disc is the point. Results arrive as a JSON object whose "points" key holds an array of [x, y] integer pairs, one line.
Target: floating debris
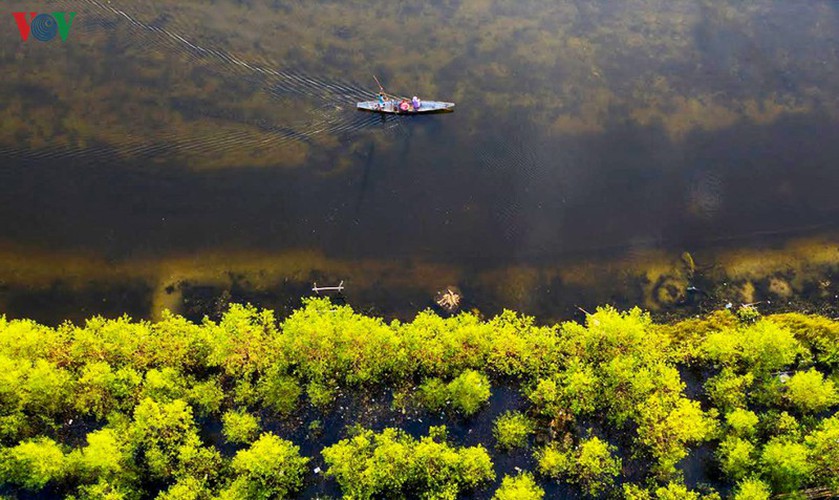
{"points": [[449, 299]]}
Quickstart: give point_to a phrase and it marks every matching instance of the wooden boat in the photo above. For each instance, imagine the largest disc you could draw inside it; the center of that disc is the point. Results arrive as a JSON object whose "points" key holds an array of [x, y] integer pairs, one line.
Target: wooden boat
{"points": [[395, 107]]}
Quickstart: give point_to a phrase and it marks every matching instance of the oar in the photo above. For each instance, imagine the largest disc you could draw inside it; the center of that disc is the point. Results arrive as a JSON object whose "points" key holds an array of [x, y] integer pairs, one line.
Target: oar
{"points": [[381, 87], [380, 84]]}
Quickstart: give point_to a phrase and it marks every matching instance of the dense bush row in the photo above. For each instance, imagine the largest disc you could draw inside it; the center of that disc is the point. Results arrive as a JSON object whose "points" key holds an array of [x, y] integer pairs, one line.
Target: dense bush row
{"points": [[608, 410]]}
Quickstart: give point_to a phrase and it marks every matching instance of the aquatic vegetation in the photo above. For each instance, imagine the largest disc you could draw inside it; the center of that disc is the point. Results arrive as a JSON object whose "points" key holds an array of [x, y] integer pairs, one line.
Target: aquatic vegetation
{"points": [[752, 489], [591, 463], [785, 464], [271, 468], [33, 464], [240, 426], [809, 392], [519, 487], [742, 422], [737, 457], [512, 429], [392, 463], [133, 408]]}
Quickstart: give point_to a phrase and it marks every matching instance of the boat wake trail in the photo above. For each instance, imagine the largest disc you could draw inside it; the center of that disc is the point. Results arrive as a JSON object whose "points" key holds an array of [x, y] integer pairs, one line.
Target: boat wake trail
{"points": [[328, 105]]}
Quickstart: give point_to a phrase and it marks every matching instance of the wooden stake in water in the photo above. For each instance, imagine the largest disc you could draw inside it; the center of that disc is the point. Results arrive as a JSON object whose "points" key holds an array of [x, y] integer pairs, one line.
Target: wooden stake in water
{"points": [[317, 289]]}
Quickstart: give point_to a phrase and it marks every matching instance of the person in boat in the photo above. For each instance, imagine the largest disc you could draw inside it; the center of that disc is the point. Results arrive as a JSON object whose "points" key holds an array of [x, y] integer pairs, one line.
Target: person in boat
{"points": [[416, 103], [381, 98], [404, 106]]}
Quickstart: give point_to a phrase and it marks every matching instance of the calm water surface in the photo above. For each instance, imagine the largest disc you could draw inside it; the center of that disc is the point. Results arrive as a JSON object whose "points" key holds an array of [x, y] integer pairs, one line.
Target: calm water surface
{"points": [[163, 132]]}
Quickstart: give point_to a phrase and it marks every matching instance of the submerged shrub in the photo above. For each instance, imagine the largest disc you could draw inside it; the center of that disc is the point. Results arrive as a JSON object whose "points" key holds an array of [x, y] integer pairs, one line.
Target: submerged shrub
{"points": [[761, 347], [591, 464], [675, 491], [809, 392], [434, 394], [785, 464], [321, 394], [466, 393], [162, 433], [727, 390], [324, 341], [239, 426], [512, 429], [737, 457], [270, 468], [520, 487], [742, 422], [819, 333], [823, 444], [32, 464], [105, 456], [469, 391], [144, 382], [667, 428], [752, 489], [392, 464], [279, 392]]}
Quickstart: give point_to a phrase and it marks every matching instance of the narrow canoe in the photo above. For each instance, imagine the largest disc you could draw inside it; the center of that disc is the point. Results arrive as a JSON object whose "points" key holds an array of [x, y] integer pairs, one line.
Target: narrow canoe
{"points": [[392, 107]]}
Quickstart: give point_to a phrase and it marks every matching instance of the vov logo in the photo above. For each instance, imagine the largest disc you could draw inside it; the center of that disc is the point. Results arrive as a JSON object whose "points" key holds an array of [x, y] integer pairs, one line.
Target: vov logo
{"points": [[44, 27]]}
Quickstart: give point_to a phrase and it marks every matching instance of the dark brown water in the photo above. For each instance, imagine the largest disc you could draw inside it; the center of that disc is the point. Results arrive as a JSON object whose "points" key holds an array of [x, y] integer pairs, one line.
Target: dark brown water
{"points": [[211, 149]]}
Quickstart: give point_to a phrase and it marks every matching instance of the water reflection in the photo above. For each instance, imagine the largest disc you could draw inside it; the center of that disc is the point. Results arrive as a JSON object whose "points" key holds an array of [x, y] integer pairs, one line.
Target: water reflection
{"points": [[588, 137]]}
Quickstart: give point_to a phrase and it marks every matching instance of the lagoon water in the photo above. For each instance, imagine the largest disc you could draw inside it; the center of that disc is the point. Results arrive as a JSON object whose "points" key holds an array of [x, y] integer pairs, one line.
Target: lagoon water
{"points": [[178, 154]]}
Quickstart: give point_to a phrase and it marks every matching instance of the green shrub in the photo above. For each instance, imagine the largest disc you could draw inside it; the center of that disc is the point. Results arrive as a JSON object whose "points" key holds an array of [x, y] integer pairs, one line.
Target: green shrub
{"points": [[752, 489], [728, 390], [779, 424], [737, 457], [187, 488], [162, 432], [596, 466], [279, 392], [761, 347], [786, 465], [580, 388], [520, 487], [635, 492], [144, 382], [546, 397], [326, 341], [392, 464], [742, 422], [239, 426], [591, 464], [434, 394], [105, 456], [270, 468], [205, 397], [675, 491], [555, 461], [468, 391], [668, 426], [244, 342], [809, 392], [164, 385], [48, 389], [512, 429], [819, 333], [32, 464], [824, 451], [320, 394]]}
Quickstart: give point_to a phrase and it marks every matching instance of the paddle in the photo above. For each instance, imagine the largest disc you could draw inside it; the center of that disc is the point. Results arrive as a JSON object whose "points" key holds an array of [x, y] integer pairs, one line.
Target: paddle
{"points": [[381, 87]]}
